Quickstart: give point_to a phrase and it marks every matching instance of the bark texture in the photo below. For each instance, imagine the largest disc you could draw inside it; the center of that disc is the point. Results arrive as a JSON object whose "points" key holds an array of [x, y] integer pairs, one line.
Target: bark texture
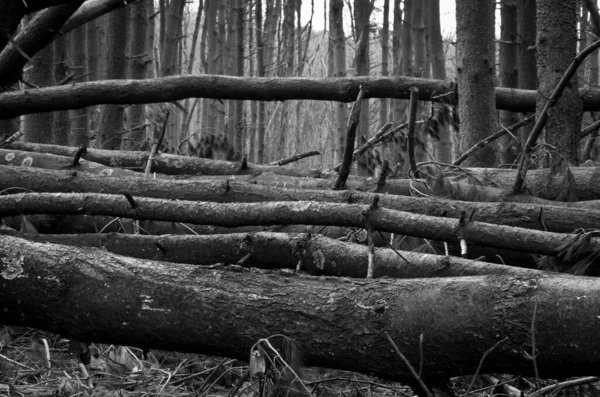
{"points": [[314, 253], [556, 46], [172, 88], [475, 67], [530, 216], [301, 213], [93, 295]]}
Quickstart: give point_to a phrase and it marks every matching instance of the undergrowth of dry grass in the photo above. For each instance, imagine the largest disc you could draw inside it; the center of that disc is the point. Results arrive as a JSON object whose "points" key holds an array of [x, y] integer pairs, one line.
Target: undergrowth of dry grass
{"points": [[37, 363]]}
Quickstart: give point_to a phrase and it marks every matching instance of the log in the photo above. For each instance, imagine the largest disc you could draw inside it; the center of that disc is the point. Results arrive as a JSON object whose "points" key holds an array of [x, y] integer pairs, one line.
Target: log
{"points": [[92, 295], [544, 182], [316, 254], [550, 218], [300, 213], [585, 184], [163, 164], [52, 161], [173, 88]]}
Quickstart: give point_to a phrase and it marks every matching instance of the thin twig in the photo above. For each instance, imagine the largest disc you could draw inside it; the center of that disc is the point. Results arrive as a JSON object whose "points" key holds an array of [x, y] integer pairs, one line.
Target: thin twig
{"points": [[491, 349], [410, 367], [491, 138]]}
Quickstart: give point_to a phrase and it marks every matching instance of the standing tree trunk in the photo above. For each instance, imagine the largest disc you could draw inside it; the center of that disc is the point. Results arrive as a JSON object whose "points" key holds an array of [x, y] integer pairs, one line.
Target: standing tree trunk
{"points": [[139, 59], [445, 145], [556, 46], [286, 68], [260, 72], [209, 107], [38, 127], [418, 34], [362, 15], [61, 122], [79, 66], [170, 62], [527, 76], [477, 100], [190, 67], [407, 39], [385, 51], [111, 125], [336, 17], [394, 149], [509, 76], [238, 70]]}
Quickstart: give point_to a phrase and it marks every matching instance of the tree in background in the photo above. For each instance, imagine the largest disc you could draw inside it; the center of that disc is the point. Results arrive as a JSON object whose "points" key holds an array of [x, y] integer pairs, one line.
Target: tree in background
{"points": [[79, 66], [139, 60], [509, 76], [40, 73], [362, 26], [476, 95], [111, 126], [556, 46], [336, 22]]}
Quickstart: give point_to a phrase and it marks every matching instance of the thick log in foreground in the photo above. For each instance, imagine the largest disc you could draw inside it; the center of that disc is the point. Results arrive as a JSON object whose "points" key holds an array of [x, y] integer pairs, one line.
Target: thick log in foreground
{"points": [[173, 88], [531, 216], [92, 295], [570, 246]]}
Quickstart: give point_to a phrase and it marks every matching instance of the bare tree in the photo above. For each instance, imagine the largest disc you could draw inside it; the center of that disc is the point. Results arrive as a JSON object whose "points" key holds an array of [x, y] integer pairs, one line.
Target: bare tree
{"points": [[362, 26], [139, 60], [385, 53], [336, 17], [509, 75], [79, 67], [111, 125], [556, 45], [477, 103]]}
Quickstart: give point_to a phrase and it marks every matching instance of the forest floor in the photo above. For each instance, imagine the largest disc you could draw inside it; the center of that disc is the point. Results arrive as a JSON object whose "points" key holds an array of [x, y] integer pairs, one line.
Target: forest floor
{"points": [[37, 363], [34, 363]]}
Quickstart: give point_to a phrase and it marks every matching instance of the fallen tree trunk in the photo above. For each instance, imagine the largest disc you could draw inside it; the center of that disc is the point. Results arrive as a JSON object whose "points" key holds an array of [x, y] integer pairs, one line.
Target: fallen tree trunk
{"points": [[173, 88], [52, 161], [584, 182], [585, 185], [304, 213], [313, 253], [92, 295], [164, 163], [549, 218]]}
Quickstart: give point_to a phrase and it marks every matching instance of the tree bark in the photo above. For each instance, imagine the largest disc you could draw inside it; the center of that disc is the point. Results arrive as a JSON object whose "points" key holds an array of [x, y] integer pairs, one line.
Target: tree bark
{"points": [[556, 46], [111, 126], [297, 213], [139, 59], [384, 106], [476, 63], [543, 182], [362, 15], [98, 296], [526, 22], [79, 55], [61, 122], [37, 128], [173, 88], [313, 253], [509, 77], [531, 216], [418, 35], [336, 15]]}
